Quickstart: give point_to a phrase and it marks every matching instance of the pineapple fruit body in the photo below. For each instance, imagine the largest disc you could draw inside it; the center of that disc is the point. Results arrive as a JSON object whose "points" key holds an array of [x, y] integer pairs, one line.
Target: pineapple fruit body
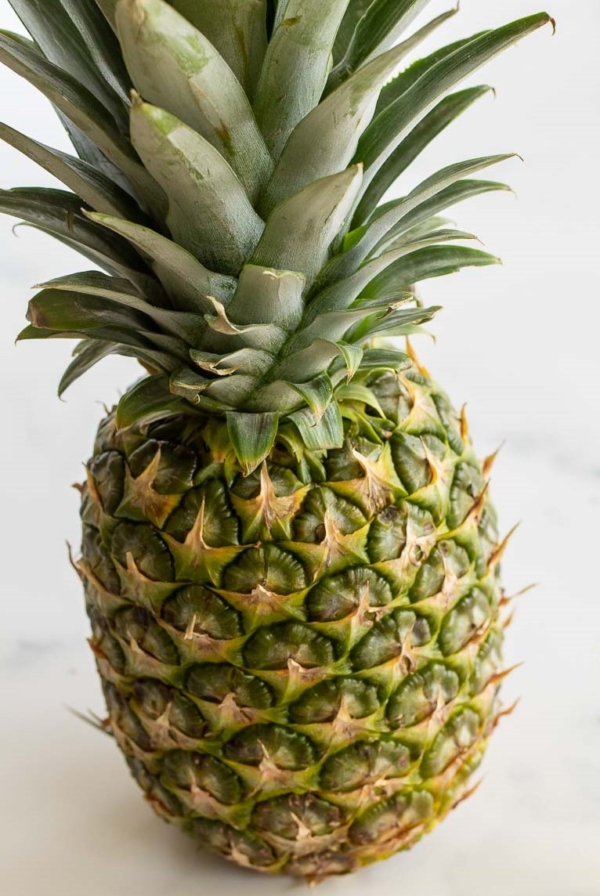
{"points": [[301, 666]]}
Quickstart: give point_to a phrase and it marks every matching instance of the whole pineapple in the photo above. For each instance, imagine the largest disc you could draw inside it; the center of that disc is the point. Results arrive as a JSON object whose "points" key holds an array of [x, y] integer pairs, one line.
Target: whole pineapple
{"points": [[289, 556]]}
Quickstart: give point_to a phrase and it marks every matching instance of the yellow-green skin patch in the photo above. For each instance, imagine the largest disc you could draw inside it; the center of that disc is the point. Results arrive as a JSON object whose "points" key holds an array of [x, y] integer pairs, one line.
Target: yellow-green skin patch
{"points": [[300, 666]]}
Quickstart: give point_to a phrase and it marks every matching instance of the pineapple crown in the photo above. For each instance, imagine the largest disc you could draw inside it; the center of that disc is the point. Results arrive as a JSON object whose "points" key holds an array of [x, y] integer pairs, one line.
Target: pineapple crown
{"points": [[231, 162]]}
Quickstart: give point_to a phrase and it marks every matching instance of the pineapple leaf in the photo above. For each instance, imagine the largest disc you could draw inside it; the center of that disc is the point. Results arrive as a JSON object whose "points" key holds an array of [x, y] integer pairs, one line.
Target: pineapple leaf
{"points": [[451, 196], [423, 264], [381, 26], [95, 189], [316, 357], [384, 359], [317, 393], [174, 66], [188, 384], [264, 337], [109, 11], [187, 282], [390, 126], [357, 392], [328, 137], [409, 76], [331, 326], [391, 323], [341, 295], [188, 327], [323, 435], [209, 212], [82, 108], [361, 243], [89, 353], [252, 437], [268, 296], [237, 28], [59, 213], [354, 13], [56, 309], [82, 46], [296, 67], [413, 145], [134, 345], [250, 361], [98, 42], [313, 217], [149, 399]]}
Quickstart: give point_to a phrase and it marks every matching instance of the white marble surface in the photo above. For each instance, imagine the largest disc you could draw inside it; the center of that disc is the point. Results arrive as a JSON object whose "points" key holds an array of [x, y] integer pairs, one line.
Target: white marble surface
{"points": [[521, 345]]}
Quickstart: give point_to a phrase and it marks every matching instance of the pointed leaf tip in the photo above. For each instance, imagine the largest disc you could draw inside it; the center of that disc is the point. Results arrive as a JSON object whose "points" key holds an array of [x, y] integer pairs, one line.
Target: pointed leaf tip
{"points": [[252, 437]]}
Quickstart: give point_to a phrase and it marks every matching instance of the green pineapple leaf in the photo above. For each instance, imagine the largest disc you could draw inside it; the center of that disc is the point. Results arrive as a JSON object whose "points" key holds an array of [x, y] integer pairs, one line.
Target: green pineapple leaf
{"points": [[266, 296], [390, 126], [174, 66], [188, 327], [317, 393], [187, 282], [324, 434], [252, 437], [98, 41], [327, 138], [413, 145], [296, 67], [312, 360], [384, 359], [58, 212], [65, 311], [375, 236], [210, 214], [149, 399], [379, 27], [354, 13], [423, 264], [82, 108], [299, 232], [237, 28], [95, 189], [409, 76], [341, 295], [76, 38], [402, 322], [87, 354]]}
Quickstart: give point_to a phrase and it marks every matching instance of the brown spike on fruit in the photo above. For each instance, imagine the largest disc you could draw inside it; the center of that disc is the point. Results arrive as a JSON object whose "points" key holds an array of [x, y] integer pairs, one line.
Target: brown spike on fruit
{"points": [[501, 549], [464, 423], [489, 461], [506, 712], [501, 676], [467, 795], [508, 620], [410, 351]]}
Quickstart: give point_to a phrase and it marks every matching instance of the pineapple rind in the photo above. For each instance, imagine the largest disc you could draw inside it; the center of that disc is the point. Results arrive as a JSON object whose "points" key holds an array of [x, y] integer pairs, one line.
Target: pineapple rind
{"points": [[300, 666]]}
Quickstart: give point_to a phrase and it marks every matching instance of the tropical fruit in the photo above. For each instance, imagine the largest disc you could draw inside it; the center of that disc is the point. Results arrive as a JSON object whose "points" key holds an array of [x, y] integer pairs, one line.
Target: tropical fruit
{"points": [[290, 559]]}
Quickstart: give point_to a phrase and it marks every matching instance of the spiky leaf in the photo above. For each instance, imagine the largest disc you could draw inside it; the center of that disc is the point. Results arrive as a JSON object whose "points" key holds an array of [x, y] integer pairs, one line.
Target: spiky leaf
{"points": [[209, 212], [296, 66], [252, 437], [174, 66]]}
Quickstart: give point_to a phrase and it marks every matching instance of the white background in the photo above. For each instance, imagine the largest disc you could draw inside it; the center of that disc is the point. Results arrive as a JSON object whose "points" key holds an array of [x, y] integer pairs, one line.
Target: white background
{"points": [[518, 343]]}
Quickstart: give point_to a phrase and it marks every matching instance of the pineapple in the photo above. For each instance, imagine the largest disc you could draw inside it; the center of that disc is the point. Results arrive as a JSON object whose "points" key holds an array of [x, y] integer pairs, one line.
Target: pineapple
{"points": [[290, 559]]}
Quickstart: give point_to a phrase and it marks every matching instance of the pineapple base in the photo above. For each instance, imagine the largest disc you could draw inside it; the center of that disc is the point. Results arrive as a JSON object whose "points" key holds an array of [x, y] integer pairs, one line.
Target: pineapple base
{"points": [[301, 666]]}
